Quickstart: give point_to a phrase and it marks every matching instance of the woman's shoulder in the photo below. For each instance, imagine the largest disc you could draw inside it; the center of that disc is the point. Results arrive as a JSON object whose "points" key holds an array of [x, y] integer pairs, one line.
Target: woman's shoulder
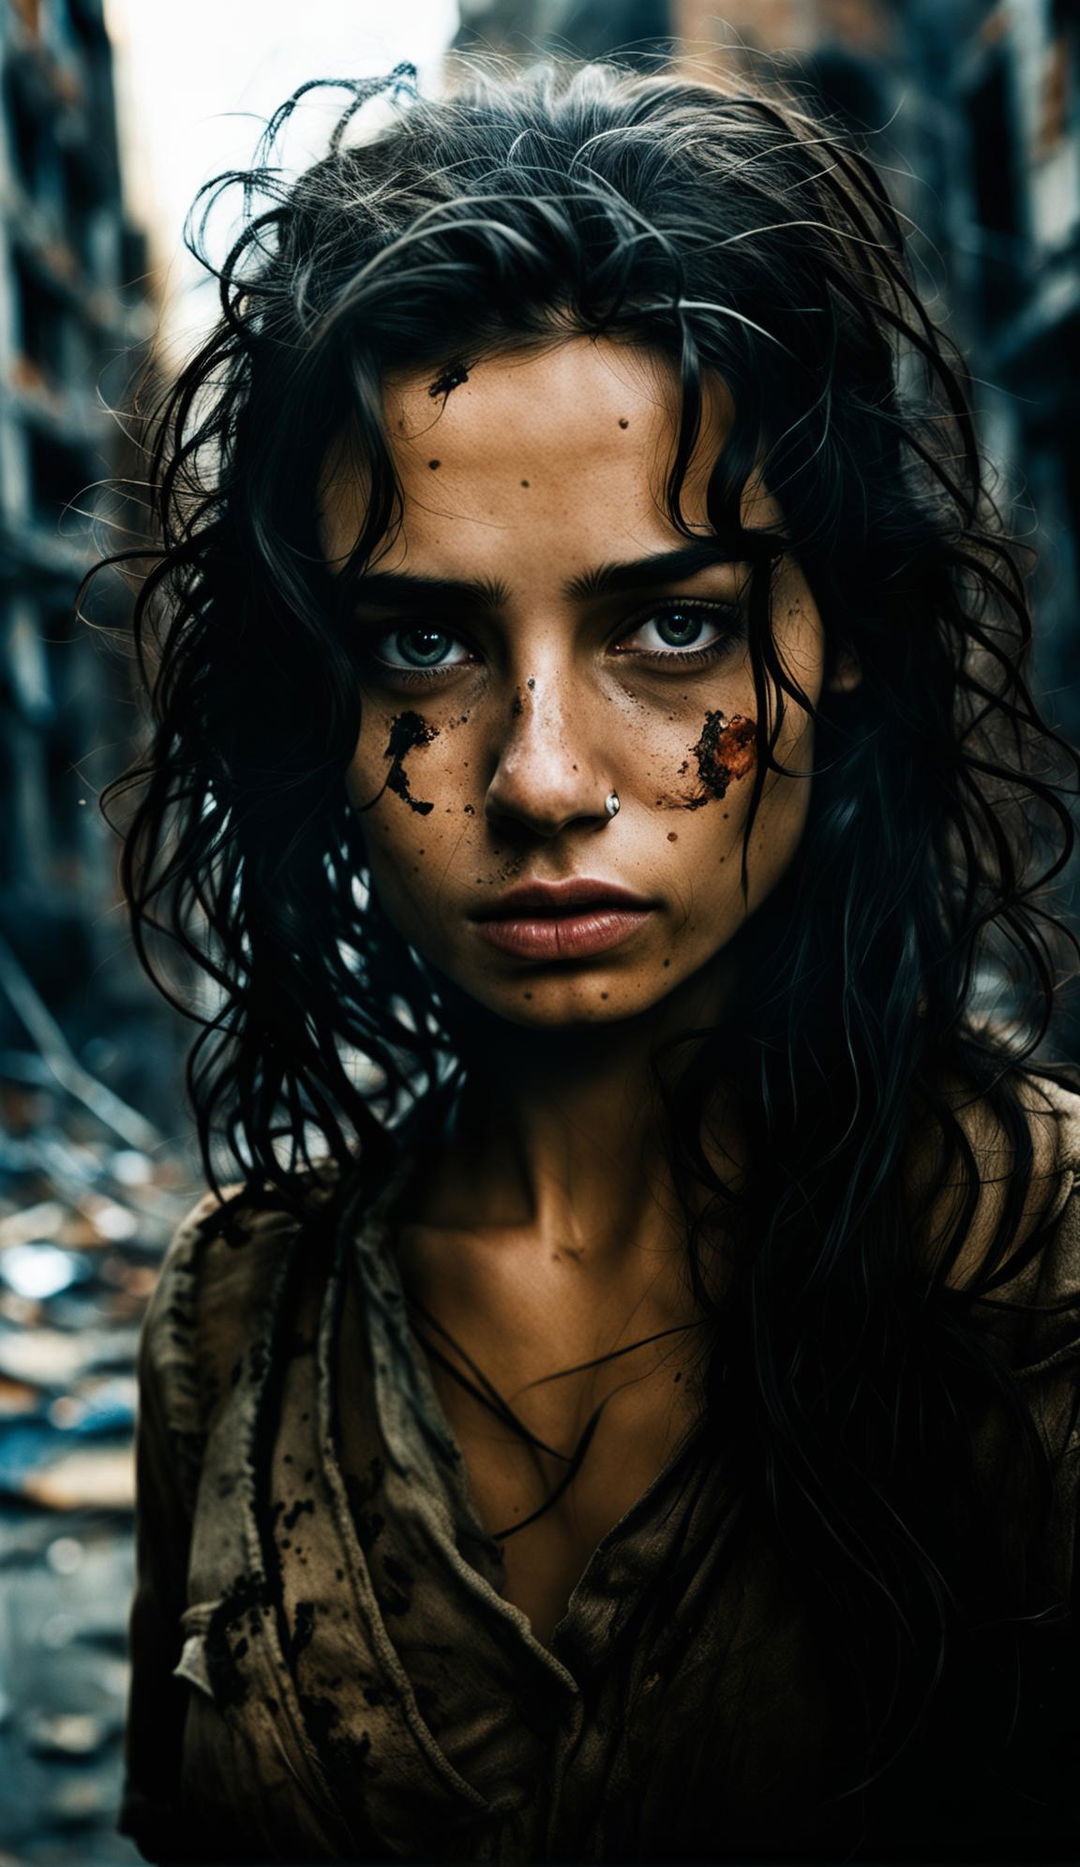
{"points": [[215, 1278], [1055, 1273], [1043, 1229]]}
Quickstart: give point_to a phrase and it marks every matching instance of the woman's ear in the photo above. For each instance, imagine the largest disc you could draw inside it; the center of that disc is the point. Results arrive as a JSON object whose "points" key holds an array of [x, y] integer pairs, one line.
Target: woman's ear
{"points": [[846, 672]]}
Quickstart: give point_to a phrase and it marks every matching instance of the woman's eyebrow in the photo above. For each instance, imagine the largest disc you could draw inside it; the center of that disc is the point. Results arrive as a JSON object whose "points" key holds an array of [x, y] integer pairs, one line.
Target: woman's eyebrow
{"points": [[402, 588], [660, 567]]}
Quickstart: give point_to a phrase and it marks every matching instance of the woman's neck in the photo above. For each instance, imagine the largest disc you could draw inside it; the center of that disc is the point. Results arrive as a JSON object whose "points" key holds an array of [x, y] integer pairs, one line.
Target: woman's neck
{"points": [[559, 1137]]}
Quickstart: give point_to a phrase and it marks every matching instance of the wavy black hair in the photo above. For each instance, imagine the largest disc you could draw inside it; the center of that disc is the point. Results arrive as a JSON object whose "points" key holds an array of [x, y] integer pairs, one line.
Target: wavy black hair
{"points": [[906, 966]]}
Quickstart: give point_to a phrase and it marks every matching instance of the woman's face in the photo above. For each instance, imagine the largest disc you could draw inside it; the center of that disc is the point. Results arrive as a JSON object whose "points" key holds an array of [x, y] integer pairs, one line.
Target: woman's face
{"points": [[537, 638]]}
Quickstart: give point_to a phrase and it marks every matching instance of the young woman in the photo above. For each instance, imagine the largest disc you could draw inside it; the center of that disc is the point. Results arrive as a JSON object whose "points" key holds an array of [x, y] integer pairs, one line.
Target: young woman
{"points": [[625, 1408]]}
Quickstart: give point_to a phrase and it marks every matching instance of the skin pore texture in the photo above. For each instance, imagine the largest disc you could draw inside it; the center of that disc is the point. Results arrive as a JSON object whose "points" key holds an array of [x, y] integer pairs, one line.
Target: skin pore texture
{"points": [[495, 723]]}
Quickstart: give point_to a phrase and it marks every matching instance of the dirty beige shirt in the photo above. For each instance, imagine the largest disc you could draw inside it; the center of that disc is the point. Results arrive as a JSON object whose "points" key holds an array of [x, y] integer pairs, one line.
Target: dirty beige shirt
{"points": [[324, 1667]]}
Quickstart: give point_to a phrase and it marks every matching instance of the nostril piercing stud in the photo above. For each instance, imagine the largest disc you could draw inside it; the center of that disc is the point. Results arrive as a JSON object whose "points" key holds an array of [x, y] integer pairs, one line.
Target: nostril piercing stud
{"points": [[611, 803]]}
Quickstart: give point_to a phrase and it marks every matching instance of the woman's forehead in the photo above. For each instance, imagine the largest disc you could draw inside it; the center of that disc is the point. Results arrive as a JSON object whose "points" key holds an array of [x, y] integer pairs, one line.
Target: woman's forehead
{"points": [[528, 450], [595, 387]]}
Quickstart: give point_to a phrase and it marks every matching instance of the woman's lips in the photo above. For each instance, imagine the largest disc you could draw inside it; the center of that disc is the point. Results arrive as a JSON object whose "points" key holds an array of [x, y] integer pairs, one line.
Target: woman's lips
{"points": [[561, 923], [575, 934]]}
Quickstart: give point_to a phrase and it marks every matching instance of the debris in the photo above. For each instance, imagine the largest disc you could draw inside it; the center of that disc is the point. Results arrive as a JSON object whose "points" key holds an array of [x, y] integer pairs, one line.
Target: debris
{"points": [[79, 1799], [54, 1049], [70, 1734], [40, 1269], [41, 1220], [59, 1630], [93, 1478], [89, 1197], [113, 1221], [102, 1406], [17, 1398], [52, 1358], [65, 1555], [130, 1167]]}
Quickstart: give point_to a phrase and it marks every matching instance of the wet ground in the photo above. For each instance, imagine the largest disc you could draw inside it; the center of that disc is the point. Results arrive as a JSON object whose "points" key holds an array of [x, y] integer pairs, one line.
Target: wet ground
{"points": [[84, 1219]]}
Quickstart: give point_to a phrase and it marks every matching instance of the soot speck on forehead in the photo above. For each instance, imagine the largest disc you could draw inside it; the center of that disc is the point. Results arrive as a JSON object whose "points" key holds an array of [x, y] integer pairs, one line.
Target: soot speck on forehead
{"points": [[451, 378]]}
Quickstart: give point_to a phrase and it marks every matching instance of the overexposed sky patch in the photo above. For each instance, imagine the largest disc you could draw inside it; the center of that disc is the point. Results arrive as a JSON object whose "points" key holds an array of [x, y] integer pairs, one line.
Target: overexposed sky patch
{"points": [[196, 84]]}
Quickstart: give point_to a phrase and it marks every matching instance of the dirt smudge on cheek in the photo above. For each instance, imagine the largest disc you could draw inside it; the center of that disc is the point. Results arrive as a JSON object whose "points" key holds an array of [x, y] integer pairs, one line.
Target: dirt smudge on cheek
{"points": [[407, 731], [725, 752]]}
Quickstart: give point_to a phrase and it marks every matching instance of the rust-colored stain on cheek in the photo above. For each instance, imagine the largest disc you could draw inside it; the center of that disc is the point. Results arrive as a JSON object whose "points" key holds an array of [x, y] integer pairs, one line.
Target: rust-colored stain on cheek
{"points": [[724, 753]]}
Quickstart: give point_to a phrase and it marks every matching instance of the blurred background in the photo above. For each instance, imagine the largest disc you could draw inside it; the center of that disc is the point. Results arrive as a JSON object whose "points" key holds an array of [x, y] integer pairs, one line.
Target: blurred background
{"points": [[112, 113]]}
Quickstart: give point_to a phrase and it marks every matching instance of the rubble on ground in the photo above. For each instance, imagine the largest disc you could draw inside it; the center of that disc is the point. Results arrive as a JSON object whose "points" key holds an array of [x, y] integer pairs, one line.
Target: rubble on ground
{"points": [[84, 1219]]}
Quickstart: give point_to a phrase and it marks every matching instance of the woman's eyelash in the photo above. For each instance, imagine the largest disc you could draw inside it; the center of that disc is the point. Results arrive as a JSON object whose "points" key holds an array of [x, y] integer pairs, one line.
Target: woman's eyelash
{"points": [[728, 618]]}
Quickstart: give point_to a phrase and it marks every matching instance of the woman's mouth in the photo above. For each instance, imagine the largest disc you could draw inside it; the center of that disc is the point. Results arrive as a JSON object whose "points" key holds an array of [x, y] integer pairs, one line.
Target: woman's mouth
{"points": [[562, 920]]}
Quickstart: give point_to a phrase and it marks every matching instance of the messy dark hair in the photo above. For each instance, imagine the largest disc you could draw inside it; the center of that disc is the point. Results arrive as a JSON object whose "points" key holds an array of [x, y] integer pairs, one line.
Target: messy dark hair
{"points": [[907, 964]]}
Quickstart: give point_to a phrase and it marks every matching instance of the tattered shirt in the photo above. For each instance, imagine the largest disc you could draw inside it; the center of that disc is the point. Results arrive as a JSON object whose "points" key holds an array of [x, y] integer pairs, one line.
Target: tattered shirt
{"points": [[324, 1665]]}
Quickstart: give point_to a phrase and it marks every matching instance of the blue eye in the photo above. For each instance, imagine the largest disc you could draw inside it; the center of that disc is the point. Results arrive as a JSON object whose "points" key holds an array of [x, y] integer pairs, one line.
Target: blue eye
{"points": [[681, 628], [421, 648], [685, 628]]}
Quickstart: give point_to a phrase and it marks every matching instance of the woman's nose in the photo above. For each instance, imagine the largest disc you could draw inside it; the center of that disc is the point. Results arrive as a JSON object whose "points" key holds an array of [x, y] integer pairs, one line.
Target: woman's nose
{"points": [[547, 774]]}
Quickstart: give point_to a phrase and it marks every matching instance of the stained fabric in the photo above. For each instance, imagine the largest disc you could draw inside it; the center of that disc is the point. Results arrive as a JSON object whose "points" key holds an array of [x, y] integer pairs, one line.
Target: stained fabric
{"points": [[324, 1667]]}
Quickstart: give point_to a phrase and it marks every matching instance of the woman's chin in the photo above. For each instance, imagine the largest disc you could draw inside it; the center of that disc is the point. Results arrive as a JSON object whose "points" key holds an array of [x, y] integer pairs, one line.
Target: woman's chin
{"points": [[568, 1003]]}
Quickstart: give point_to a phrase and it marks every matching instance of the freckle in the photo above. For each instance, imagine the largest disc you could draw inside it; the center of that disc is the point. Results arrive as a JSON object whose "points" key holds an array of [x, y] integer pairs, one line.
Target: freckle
{"points": [[434, 463], [623, 423], [672, 837]]}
